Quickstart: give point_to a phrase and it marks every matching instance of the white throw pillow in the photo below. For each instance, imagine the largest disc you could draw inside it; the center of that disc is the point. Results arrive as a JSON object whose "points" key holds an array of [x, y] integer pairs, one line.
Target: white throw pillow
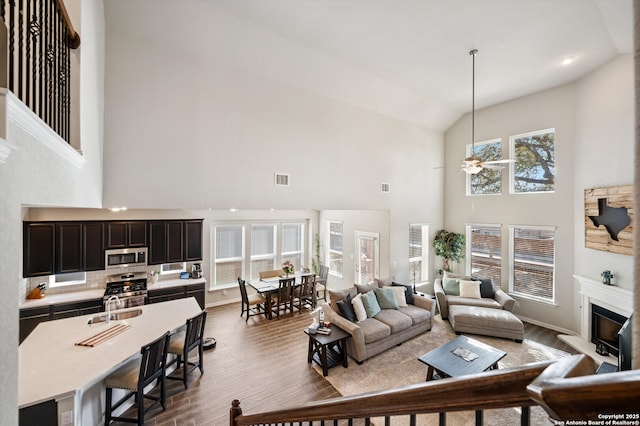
{"points": [[470, 289], [400, 296], [358, 307]]}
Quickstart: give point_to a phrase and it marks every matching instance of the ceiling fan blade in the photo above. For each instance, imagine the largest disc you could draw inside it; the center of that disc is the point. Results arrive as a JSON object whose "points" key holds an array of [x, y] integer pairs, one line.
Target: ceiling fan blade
{"points": [[493, 166], [499, 161]]}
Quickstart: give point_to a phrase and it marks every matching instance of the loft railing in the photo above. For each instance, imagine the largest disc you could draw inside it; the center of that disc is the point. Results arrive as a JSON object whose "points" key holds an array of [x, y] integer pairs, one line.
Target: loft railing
{"points": [[566, 389], [37, 58]]}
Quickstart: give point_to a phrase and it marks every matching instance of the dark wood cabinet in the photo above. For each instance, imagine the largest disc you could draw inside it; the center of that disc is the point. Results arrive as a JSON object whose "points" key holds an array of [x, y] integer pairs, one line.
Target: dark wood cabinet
{"points": [[157, 242], [38, 249], [69, 247], [30, 318], [192, 240], [126, 234], [93, 254], [178, 292], [175, 241]]}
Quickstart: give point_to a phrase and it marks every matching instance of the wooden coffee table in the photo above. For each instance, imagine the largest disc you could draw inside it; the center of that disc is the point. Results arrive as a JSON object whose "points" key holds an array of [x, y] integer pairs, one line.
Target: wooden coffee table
{"points": [[473, 357]]}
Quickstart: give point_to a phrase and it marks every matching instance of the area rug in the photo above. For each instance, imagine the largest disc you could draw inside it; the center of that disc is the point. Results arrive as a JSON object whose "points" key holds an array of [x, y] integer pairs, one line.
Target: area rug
{"points": [[399, 366]]}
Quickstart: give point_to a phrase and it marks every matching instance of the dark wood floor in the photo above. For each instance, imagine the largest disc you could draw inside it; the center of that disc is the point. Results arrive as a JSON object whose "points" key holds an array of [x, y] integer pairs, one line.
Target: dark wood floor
{"points": [[264, 365]]}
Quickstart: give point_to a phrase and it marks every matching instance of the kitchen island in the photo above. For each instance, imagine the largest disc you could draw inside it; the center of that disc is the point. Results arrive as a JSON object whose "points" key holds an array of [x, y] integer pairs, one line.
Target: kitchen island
{"points": [[52, 367]]}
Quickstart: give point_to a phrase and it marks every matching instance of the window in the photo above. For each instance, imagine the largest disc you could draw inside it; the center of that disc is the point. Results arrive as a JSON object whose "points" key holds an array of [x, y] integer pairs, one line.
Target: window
{"points": [[485, 251], [488, 181], [293, 244], [263, 249], [70, 278], [367, 247], [335, 248], [173, 268], [533, 262], [534, 168], [418, 253], [228, 254]]}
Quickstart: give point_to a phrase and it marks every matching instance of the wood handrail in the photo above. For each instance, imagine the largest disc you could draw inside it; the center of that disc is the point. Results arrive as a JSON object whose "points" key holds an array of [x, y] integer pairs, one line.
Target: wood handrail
{"points": [[568, 390], [488, 390], [74, 37]]}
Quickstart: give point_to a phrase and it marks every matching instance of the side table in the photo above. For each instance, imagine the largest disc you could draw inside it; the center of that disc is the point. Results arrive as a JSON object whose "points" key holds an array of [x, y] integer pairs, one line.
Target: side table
{"points": [[328, 350]]}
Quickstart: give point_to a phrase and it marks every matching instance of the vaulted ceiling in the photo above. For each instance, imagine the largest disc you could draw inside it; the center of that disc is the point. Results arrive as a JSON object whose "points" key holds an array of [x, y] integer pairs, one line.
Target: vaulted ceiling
{"points": [[404, 58]]}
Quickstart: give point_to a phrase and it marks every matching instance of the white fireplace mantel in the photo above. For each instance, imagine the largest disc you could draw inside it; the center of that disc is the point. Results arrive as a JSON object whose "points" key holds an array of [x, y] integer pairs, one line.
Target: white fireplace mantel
{"points": [[594, 292]]}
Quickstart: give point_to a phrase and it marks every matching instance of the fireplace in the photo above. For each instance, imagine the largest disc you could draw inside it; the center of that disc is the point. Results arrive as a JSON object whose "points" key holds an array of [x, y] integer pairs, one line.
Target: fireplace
{"points": [[605, 325]]}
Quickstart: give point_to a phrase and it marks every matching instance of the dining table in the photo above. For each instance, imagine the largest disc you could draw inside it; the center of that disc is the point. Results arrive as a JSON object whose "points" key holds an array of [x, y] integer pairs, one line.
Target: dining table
{"points": [[268, 286]]}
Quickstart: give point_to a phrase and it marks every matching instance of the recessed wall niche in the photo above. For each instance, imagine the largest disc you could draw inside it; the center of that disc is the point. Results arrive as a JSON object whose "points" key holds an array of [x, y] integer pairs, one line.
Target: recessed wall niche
{"points": [[608, 219]]}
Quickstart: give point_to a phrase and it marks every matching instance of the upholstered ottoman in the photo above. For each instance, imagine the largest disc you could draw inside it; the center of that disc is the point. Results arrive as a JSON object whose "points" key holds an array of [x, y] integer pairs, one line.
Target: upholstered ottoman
{"points": [[486, 321]]}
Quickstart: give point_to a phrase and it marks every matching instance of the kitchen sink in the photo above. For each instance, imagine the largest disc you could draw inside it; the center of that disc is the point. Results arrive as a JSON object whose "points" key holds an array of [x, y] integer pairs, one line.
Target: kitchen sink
{"points": [[115, 316]]}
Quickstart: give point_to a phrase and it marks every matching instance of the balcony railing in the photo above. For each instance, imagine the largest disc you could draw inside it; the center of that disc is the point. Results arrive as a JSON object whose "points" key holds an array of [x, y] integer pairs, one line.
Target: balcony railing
{"points": [[35, 57]]}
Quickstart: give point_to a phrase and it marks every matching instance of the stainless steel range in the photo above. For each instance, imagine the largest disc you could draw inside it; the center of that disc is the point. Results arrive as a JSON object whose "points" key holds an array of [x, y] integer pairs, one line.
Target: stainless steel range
{"points": [[126, 290]]}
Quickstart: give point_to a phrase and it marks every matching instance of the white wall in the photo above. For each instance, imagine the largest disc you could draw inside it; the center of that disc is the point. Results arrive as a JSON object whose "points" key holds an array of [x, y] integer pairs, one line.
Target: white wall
{"points": [[35, 175], [593, 119]]}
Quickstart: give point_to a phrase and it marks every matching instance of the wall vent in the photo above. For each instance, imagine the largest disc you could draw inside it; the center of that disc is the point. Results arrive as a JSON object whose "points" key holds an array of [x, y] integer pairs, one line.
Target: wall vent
{"points": [[282, 179], [385, 188]]}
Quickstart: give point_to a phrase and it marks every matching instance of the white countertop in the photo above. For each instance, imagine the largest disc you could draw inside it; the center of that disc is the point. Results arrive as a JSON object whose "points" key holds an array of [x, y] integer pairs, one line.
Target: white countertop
{"points": [[51, 366], [98, 293]]}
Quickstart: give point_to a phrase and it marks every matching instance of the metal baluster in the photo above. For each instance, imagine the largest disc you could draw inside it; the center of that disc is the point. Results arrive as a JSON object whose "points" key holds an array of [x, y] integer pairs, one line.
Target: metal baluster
{"points": [[525, 416], [49, 67], [67, 79], [11, 44], [43, 50], [27, 59], [412, 420], [20, 47]]}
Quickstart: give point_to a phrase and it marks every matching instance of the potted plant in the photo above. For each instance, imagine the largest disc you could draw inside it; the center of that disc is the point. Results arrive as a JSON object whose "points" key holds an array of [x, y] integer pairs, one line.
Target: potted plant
{"points": [[449, 246]]}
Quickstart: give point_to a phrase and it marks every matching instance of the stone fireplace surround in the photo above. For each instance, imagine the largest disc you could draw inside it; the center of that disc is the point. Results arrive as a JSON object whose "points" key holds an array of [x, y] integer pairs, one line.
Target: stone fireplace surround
{"points": [[594, 292]]}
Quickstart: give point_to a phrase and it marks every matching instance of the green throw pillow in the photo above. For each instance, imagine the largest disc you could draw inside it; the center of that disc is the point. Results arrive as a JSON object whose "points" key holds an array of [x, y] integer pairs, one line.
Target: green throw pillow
{"points": [[386, 298], [370, 304], [451, 286]]}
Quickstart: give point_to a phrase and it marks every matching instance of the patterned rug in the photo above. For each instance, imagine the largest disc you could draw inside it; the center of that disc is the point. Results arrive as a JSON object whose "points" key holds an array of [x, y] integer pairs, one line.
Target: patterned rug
{"points": [[399, 366]]}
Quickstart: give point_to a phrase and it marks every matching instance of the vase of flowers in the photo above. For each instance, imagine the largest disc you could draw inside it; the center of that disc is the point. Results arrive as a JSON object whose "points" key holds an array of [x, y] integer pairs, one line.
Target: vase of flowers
{"points": [[288, 268]]}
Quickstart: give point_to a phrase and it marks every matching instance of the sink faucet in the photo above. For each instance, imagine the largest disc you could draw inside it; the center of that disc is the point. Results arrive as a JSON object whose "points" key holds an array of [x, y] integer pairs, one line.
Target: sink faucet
{"points": [[118, 303]]}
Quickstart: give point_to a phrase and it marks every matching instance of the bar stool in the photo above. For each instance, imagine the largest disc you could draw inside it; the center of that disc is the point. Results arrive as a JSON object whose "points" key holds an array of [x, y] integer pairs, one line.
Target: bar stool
{"points": [[183, 343]]}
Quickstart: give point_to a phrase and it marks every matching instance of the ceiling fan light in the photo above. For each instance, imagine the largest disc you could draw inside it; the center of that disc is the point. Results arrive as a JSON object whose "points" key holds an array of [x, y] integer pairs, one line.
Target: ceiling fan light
{"points": [[472, 169]]}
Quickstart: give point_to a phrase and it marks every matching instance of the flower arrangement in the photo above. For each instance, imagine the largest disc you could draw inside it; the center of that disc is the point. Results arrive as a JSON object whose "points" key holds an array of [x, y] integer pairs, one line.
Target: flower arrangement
{"points": [[288, 268]]}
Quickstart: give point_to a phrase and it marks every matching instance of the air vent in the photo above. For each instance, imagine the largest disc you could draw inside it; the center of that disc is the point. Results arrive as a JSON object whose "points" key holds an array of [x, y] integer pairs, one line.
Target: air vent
{"points": [[282, 179], [385, 188]]}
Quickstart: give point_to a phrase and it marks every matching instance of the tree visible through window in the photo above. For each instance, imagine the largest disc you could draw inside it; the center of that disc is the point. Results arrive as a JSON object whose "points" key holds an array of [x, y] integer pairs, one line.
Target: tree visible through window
{"points": [[535, 167], [533, 262], [485, 251], [335, 248], [488, 181]]}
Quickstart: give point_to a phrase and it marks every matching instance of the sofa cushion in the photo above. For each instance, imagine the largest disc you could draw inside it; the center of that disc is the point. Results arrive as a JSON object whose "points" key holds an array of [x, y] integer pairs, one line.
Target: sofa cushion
{"points": [[451, 286], [337, 295], [486, 287], [346, 308], [364, 288], [401, 298], [408, 292], [358, 308], [448, 274], [417, 315], [371, 304], [396, 320], [483, 303], [386, 298], [381, 282], [374, 330], [470, 289]]}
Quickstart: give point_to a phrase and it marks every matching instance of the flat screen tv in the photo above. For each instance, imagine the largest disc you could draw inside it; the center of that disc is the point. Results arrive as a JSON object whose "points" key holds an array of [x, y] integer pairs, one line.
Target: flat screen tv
{"points": [[624, 345]]}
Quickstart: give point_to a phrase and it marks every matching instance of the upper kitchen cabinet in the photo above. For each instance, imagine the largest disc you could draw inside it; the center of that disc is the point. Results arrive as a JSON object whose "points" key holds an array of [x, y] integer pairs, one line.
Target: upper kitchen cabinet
{"points": [[174, 241], [38, 249], [193, 240], [69, 247], [93, 234], [126, 234]]}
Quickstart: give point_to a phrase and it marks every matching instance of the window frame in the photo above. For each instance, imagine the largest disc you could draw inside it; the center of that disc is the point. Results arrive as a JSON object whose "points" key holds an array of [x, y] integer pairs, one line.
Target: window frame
{"points": [[512, 156], [512, 268], [216, 261], [299, 253], [258, 257], [469, 248], [375, 238], [424, 255], [469, 177], [330, 251]]}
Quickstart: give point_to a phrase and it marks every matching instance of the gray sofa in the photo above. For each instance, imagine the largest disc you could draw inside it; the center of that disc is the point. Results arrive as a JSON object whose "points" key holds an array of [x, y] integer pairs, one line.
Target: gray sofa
{"points": [[501, 300], [388, 328]]}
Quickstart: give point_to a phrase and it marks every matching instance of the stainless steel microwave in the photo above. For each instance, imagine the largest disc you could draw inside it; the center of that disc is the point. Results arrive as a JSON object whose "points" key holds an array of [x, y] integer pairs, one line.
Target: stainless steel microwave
{"points": [[122, 258]]}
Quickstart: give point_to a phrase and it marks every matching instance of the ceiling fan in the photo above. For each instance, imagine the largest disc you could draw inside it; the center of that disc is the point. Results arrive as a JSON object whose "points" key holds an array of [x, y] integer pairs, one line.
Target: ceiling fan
{"points": [[474, 165]]}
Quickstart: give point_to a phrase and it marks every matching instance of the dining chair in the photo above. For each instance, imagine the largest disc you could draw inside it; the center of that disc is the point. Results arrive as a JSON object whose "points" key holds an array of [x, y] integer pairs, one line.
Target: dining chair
{"points": [[135, 376], [283, 296], [321, 282], [182, 344], [305, 293], [270, 274], [256, 304]]}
